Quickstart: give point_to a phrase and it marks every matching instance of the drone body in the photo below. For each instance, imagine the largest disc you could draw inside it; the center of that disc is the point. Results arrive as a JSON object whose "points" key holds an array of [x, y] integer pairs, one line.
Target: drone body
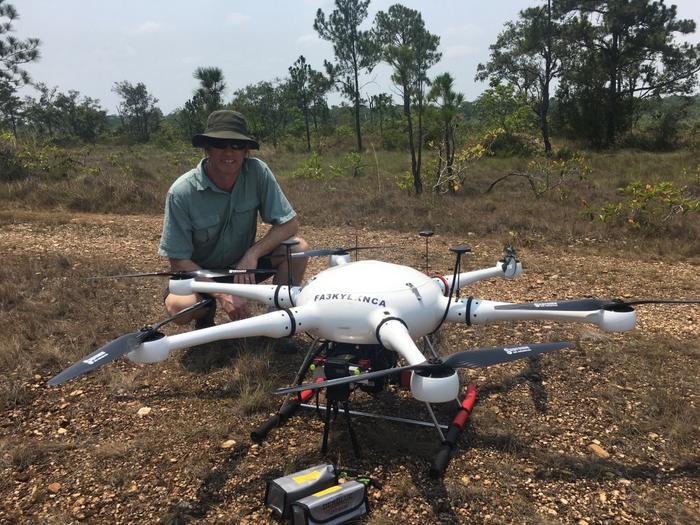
{"points": [[367, 307], [378, 303]]}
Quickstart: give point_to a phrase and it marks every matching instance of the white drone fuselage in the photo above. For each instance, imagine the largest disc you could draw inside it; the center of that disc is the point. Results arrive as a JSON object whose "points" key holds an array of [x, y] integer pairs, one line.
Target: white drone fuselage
{"points": [[353, 298], [369, 302]]}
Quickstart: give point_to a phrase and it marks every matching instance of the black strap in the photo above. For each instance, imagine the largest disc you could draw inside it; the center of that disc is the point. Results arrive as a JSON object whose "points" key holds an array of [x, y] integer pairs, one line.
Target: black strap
{"points": [[384, 321], [467, 313], [277, 294], [292, 321]]}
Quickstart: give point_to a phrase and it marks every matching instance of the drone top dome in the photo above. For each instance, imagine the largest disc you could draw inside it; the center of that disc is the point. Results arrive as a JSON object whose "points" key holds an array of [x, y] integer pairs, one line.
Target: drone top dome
{"points": [[355, 297]]}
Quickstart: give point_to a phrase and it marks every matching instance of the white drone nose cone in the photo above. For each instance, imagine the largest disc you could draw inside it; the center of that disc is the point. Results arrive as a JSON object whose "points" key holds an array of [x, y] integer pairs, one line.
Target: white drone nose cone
{"points": [[435, 389]]}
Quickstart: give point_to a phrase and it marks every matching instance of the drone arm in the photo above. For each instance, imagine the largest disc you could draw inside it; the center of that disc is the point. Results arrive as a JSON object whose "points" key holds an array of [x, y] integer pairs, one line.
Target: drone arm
{"points": [[282, 323], [509, 270], [478, 311], [393, 334], [268, 294]]}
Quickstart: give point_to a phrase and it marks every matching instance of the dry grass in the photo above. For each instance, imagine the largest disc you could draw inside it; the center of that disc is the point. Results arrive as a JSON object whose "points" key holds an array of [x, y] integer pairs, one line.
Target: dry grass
{"points": [[134, 180], [529, 436]]}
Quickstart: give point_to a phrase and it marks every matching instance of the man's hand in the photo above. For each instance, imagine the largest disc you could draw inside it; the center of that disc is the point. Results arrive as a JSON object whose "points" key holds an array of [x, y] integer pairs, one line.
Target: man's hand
{"points": [[248, 262], [235, 307]]}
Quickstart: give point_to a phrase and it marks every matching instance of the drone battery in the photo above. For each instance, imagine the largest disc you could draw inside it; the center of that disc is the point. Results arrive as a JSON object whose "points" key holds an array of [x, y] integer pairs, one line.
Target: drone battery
{"points": [[332, 506], [280, 493]]}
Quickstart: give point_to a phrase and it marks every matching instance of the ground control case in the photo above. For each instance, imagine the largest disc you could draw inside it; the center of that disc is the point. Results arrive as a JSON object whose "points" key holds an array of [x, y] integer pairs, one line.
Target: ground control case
{"points": [[280, 493], [332, 506]]}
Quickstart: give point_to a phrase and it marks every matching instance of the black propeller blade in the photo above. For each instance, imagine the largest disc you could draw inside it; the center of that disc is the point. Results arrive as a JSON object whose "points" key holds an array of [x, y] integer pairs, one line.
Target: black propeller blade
{"points": [[496, 355], [120, 346], [323, 252], [584, 305], [208, 274], [108, 353], [478, 358]]}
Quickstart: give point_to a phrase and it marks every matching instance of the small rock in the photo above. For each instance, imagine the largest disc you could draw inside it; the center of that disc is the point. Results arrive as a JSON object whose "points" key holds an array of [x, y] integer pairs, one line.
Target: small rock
{"points": [[54, 487], [229, 443], [143, 411], [61, 431], [465, 480], [22, 477], [602, 497], [599, 451], [76, 393], [581, 522]]}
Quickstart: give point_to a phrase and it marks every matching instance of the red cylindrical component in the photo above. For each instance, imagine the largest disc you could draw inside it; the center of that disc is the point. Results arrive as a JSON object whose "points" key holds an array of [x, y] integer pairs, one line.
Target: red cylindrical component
{"points": [[305, 395], [462, 416]]}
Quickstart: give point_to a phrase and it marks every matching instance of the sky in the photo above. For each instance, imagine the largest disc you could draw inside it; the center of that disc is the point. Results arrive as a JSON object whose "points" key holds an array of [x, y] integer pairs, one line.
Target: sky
{"points": [[89, 45]]}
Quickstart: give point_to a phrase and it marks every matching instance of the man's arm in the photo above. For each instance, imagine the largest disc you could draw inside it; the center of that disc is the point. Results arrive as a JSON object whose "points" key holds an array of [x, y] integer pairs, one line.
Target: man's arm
{"points": [[267, 243], [235, 307]]}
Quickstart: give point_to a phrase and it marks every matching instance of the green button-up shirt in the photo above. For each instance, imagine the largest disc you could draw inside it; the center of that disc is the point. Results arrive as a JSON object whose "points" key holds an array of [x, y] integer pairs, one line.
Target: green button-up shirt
{"points": [[213, 227]]}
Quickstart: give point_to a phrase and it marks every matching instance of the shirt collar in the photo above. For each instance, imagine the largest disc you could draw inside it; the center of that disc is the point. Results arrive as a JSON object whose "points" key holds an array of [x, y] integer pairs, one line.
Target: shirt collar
{"points": [[202, 182]]}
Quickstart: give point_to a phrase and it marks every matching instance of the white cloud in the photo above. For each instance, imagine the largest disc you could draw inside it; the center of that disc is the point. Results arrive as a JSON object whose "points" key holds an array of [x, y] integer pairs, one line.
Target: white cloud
{"points": [[149, 27], [460, 51], [236, 19], [463, 31], [308, 38], [194, 59]]}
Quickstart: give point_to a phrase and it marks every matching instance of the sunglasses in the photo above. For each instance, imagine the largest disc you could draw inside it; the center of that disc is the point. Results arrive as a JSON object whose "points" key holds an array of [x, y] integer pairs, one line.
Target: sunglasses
{"points": [[227, 143]]}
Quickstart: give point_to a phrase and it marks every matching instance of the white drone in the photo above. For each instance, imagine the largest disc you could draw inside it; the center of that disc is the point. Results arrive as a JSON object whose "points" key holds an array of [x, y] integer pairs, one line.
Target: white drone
{"points": [[369, 303]]}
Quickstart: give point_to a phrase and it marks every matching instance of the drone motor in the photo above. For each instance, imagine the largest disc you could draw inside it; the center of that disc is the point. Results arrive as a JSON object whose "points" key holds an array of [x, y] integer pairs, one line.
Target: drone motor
{"points": [[435, 387]]}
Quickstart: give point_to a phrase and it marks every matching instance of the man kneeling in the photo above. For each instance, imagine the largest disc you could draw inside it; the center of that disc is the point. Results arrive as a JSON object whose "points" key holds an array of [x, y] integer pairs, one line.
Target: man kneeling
{"points": [[211, 217]]}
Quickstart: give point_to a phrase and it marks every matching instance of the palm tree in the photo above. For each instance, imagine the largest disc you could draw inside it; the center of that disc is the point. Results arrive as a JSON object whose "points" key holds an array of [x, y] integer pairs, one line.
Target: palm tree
{"points": [[212, 86], [449, 103]]}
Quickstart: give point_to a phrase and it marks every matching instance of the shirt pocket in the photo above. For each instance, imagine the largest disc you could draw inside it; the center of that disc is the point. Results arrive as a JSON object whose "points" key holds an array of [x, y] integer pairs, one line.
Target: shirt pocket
{"points": [[205, 229], [245, 218]]}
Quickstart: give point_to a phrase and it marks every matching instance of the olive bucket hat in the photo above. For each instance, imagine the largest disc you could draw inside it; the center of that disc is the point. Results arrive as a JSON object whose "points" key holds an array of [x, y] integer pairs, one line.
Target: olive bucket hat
{"points": [[225, 124]]}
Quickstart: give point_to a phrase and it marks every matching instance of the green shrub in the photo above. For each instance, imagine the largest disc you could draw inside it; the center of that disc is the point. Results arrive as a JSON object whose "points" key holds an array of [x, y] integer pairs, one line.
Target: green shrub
{"points": [[310, 169], [649, 205], [11, 166]]}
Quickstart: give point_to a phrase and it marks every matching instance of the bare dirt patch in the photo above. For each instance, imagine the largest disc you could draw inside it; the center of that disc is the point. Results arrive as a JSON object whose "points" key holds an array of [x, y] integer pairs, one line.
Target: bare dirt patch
{"points": [[82, 453]]}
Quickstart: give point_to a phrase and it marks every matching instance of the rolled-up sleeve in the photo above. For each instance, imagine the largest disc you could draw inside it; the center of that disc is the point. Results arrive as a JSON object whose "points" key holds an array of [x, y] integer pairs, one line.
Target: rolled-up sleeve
{"points": [[274, 206], [176, 240]]}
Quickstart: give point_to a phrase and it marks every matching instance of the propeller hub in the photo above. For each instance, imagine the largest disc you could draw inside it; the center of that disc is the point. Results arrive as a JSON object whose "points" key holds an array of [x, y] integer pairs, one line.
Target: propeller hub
{"points": [[439, 389]]}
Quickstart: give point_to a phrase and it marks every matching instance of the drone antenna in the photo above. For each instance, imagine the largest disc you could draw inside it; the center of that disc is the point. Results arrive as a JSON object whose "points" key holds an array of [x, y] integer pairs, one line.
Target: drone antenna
{"points": [[459, 251], [356, 245], [288, 255], [427, 234]]}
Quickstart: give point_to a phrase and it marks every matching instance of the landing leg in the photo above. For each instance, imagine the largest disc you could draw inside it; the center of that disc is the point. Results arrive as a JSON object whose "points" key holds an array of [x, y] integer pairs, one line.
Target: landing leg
{"points": [[449, 444], [332, 405], [351, 430]]}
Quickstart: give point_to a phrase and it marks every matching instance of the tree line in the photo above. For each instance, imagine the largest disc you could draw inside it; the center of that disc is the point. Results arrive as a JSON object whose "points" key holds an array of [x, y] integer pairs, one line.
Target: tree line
{"points": [[588, 70]]}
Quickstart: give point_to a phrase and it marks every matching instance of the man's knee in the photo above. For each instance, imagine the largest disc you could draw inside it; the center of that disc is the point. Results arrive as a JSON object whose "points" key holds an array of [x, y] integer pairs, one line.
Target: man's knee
{"points": [[177, 303], [302, 246]]}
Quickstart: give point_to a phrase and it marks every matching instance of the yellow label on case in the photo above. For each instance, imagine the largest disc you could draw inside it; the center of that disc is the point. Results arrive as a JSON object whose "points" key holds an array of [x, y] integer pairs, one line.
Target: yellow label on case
{"points": [[311, 476], [329, 490]]}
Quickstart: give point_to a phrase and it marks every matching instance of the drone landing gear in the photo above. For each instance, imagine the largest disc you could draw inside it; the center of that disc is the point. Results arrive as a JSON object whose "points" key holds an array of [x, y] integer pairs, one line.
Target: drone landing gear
{"points": [[290, 406], [457, 426], [333, 408]]}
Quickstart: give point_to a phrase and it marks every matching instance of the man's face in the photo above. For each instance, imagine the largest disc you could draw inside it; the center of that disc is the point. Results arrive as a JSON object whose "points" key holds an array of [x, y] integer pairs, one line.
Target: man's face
{"points": [[226, 156]]}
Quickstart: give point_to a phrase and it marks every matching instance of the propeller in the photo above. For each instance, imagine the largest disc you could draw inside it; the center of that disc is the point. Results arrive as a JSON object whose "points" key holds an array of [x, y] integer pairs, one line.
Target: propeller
{"points": [[584, 305], [478, 358], [323, 252], [120, 346], [208, 274]]}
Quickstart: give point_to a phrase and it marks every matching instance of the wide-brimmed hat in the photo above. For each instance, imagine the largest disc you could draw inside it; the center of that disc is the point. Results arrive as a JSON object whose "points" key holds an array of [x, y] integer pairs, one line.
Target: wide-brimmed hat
{"points": [[225, 124]]}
